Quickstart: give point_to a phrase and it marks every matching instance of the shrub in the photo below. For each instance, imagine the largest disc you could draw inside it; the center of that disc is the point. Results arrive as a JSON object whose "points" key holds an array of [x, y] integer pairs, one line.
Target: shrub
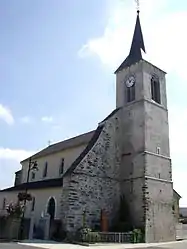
{"points": [[14, 209], [92, 237], [138, 236], [87, 235]]}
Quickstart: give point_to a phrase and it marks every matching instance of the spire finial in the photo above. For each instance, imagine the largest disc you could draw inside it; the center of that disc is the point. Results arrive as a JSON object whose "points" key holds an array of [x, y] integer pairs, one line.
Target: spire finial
{"points": [[137, 45], [138, 6]]}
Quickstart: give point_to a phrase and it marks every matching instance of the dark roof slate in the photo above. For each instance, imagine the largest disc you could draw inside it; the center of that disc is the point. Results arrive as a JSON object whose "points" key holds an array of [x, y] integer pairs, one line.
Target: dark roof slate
{"points": [[56, 182]]}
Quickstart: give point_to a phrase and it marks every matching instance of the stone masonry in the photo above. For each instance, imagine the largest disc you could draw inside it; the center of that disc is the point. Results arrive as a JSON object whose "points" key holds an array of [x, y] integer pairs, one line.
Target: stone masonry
{"points": [[94, 185], [146, 174]]}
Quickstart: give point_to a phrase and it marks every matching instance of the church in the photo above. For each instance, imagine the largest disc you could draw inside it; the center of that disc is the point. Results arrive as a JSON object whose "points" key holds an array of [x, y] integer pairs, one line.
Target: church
{"points": [[127, 155]]}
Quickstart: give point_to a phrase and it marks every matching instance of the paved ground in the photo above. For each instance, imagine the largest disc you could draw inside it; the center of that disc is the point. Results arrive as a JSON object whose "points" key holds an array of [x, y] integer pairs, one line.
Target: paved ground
{"points": [[14, 246], [175, 245]]}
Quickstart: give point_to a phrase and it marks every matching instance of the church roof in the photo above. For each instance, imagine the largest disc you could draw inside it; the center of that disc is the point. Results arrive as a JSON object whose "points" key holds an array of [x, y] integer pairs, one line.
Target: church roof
{"points": [[66, 144], [49, 183], [137, 45]]}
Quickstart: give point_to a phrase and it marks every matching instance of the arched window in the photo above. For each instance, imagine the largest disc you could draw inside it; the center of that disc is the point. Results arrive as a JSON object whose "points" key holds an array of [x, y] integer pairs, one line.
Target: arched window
{"points": [[33, 175], [4, 204], [155, 89], [61, 167], [33, 204], [45, 170], [51, 207], [131, 93]]}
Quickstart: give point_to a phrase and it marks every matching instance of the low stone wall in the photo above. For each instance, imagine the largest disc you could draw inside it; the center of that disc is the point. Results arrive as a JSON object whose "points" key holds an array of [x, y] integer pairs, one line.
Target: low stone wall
{"points": [[2, 227], [9, 228], [181, 231]]}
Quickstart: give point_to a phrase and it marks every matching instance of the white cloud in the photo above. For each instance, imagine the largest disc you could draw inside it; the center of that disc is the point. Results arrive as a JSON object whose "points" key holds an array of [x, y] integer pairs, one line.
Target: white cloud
{"points": [[178, 138], [47, 119], [178, 132], [9, 163], [31, 120], [17, 155], [164, 36], [6, 115], [26, 120]]}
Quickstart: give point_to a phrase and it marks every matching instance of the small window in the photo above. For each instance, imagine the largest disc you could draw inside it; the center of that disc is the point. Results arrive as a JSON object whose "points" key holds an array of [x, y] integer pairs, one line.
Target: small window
{"points": [[158, 150], [33, 175], [45, 170], [131, 186], [131, 93], [155, 89], [61, 168], [33, 204], [4, 204]]}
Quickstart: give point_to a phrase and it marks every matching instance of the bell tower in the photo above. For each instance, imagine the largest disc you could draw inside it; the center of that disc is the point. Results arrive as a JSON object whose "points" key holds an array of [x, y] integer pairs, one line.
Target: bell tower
{"points": [[146, 174]]}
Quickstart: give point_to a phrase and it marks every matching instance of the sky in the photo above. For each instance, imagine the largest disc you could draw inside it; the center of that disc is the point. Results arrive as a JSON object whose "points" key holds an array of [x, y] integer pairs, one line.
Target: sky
{"points": [[57, 63]]}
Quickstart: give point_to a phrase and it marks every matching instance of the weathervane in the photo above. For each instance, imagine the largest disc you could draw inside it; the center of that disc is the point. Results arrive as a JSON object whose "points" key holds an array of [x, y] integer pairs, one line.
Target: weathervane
{"points": [[138, 5]]}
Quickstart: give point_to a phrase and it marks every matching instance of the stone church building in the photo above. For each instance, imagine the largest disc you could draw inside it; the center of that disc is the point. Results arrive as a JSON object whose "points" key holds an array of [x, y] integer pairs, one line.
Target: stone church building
{"points": [[126, 155]]}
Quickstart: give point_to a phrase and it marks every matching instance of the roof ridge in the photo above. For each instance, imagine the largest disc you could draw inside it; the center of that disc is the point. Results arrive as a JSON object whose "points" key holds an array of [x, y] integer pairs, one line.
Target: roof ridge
{"points": [[45, 151]]}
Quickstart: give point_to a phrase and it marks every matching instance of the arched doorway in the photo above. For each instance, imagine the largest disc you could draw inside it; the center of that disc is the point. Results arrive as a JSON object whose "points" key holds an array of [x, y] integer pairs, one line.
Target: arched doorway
{"points": [[51, 207]]}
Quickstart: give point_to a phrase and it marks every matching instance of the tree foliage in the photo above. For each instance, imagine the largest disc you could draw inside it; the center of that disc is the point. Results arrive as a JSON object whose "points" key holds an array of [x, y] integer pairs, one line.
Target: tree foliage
{"points": [[15, 209], [24, 196]]}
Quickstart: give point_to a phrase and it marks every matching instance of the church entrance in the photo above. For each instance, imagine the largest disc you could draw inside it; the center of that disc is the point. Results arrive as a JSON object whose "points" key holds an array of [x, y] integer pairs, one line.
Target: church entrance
{"points": [[51, 208]]}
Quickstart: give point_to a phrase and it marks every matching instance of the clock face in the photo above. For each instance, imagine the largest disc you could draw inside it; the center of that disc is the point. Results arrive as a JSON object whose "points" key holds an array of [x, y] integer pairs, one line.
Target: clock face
{"points": [[130, 81]]}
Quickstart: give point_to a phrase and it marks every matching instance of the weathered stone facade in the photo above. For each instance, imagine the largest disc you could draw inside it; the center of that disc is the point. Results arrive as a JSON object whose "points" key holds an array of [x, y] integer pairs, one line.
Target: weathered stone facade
{"points": [[131, 157], [160, 225], [146, 164], [94, 184]]}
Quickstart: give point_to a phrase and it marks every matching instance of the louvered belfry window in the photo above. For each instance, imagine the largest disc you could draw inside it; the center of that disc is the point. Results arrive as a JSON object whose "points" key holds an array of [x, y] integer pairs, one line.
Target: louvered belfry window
{"points": [[155, 89]]}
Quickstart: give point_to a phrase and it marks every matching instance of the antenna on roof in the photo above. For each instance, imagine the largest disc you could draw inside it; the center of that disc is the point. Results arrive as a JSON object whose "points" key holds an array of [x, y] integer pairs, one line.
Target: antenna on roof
{"points": [[49, 143]]}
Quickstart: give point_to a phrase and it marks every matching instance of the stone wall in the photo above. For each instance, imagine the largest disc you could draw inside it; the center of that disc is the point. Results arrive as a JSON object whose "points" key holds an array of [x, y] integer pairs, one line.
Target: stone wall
{"points": [[132, 168], [9, 228], [160, 225], [94, 184]]}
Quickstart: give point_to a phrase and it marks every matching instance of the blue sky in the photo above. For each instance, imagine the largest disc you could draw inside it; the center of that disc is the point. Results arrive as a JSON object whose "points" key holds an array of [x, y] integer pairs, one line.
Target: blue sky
{"points": [[57, 60]]}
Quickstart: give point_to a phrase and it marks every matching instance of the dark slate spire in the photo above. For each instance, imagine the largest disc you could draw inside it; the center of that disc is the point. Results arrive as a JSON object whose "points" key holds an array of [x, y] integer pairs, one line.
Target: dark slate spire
{"points": [[135, 54]]}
